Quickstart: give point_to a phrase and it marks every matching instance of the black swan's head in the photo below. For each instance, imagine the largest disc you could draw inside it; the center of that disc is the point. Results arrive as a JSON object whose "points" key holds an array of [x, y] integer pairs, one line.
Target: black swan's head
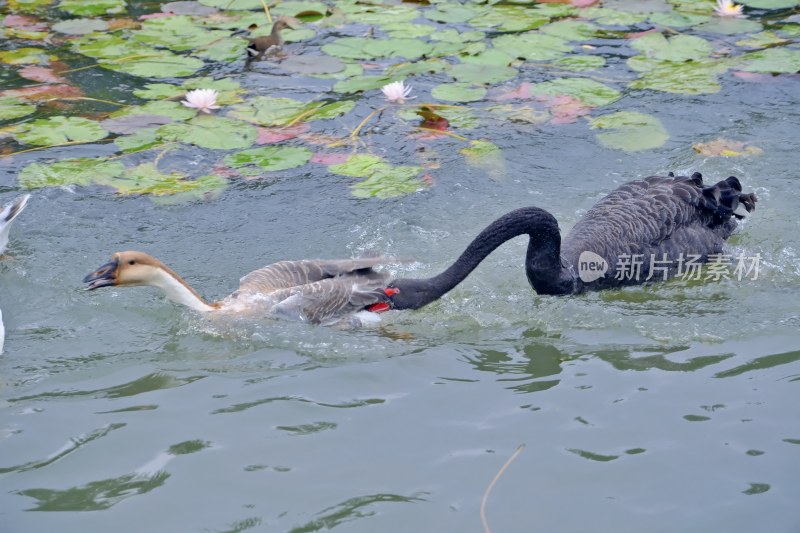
{"points": [[411, 293]]}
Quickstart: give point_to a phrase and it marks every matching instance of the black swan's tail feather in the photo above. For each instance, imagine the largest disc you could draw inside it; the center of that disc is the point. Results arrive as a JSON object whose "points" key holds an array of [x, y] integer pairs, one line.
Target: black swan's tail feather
{"points": [[725, 199]]}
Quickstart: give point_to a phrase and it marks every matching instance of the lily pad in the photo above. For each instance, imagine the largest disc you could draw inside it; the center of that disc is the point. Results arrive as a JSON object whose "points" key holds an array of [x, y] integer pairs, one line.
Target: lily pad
{"points": [[364, 83], [313, 64], [678, 19], [268, 159], [147, 179], [25, 56], [571, 30], [233, 4], [94, 8], [482, 74], [580, 63], [81, 171], [159, 91], [136, 142], [80, 26], [210, 131], [771, 60], [366, 48], [155, 64], [510, 18], [591, 93], [378, 14], [389, 182], [358, 166], [178, 33], [60, 130], [11, 108], [730, 26], [173, 110], [612, 17], [681, 78], [134, 123], [679, 48], [458, 92], [532, 46], [726, 148], [487, 156], [771, 4], [630, 131], [450, 13]]}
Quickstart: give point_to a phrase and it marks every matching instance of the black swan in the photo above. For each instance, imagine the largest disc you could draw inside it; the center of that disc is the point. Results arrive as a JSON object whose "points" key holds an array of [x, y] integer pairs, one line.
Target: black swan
{"points": [[660, 222]]}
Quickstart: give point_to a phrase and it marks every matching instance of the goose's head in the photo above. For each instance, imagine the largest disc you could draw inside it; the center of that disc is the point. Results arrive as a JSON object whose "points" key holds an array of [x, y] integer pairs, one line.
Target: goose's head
{"points": [[127, 269]]}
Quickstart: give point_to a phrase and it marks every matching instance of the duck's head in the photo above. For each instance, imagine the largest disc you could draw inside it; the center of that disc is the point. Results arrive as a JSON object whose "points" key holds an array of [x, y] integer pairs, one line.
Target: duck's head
{"points": [[126, 269], [281, 24]]}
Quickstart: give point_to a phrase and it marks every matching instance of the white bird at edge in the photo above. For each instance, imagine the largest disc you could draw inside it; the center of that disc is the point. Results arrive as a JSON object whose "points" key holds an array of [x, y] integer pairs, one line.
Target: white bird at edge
{"points": [[7, 216]]}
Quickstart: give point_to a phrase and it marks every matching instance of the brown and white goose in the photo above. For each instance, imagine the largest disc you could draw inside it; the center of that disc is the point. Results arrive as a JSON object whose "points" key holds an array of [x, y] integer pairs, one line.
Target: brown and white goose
{"points": [[317, 291]]}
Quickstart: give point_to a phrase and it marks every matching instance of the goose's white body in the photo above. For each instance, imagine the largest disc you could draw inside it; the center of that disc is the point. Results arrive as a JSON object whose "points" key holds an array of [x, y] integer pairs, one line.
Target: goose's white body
{"points": [[7, 216], [316, 291]]}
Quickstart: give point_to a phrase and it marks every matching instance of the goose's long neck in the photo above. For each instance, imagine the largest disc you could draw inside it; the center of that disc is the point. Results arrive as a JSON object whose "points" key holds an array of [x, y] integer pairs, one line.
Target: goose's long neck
{"points": [[542, 265], [177, 290]]}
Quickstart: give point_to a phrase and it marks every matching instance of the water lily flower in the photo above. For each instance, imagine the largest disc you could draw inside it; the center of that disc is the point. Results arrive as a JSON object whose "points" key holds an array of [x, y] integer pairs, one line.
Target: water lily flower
{"points": [[726, 8], [396, 91], [204, 100]]}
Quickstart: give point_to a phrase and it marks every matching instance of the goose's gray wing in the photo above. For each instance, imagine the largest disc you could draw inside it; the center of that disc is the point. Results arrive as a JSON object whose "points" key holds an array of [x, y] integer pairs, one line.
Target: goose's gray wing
{"points": [[327, 300], [288, 274], [7, 216]]}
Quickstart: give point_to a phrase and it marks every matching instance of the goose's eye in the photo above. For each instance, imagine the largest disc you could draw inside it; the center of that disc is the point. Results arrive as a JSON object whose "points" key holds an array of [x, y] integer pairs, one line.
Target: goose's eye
{"points": [[131, 262]]}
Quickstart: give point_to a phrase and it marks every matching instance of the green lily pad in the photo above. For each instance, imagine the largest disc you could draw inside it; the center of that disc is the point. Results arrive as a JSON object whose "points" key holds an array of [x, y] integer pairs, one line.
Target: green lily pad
{"points": [[450, 13], [571, 30], [211, 131], [234, 5], [589, 92], [268, 159], [364, 83], [612, 17], [771, 60], [458, 92], [763, 39], [155, 64], [532, 46], [173, 110], [482, 74], [147, 179], [378, 14], [681, 78], [630, 131], [139, 141], [11, 108], [59, 130], [25, 56], [450, 35], [159, 91], [366, 48], [408, 30], [81, 171], [580, 63], [313, 64], [388, 183], [410, 68], [28, 6], [80, 26], [221, 49], [510, 18], [730, 26], [770, 4], [226, 88], [678, 19], [492, 57], [292, 9], [178, 33], [679, 48], [487, 156], [358, 166], [269, 111], [82, 8]]}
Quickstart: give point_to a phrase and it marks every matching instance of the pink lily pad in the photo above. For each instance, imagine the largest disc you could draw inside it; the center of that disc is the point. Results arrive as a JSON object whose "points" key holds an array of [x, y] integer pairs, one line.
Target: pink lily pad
{"points": [[40, 74], [276, 135], [329, 159]]}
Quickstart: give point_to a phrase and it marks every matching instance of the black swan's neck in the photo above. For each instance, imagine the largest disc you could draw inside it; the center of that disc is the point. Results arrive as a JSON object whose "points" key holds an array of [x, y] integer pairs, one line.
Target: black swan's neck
{"points": [[543, 260]]}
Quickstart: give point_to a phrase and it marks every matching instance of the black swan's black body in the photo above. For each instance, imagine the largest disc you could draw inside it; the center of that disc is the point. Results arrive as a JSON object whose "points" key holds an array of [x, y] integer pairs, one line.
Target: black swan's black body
{"points": [[658, 221]]}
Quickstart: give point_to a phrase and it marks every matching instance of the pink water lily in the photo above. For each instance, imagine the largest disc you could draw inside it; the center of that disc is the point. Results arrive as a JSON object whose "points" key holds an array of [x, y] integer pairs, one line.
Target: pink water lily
{"points": [[396, 91], [204, 100], [726, 8]]}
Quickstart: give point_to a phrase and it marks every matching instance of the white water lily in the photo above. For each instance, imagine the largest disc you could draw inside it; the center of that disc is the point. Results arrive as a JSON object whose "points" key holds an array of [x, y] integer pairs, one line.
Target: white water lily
{"points": [[396, 91], [204, 100], [726, 8]]}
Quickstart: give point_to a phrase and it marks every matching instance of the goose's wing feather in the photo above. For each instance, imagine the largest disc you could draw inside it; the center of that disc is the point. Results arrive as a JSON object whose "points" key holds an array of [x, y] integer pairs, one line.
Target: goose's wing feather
{"points": [[327, 300], [288, 274], [7, 216]]}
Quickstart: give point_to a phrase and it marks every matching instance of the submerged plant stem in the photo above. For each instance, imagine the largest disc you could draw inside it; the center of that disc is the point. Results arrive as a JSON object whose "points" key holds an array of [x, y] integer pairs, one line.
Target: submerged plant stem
{"points": [[492, 483]]}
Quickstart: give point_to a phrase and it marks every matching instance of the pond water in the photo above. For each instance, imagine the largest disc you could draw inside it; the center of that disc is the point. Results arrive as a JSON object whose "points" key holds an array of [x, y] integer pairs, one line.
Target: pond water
{"points": [[667, 407]]}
